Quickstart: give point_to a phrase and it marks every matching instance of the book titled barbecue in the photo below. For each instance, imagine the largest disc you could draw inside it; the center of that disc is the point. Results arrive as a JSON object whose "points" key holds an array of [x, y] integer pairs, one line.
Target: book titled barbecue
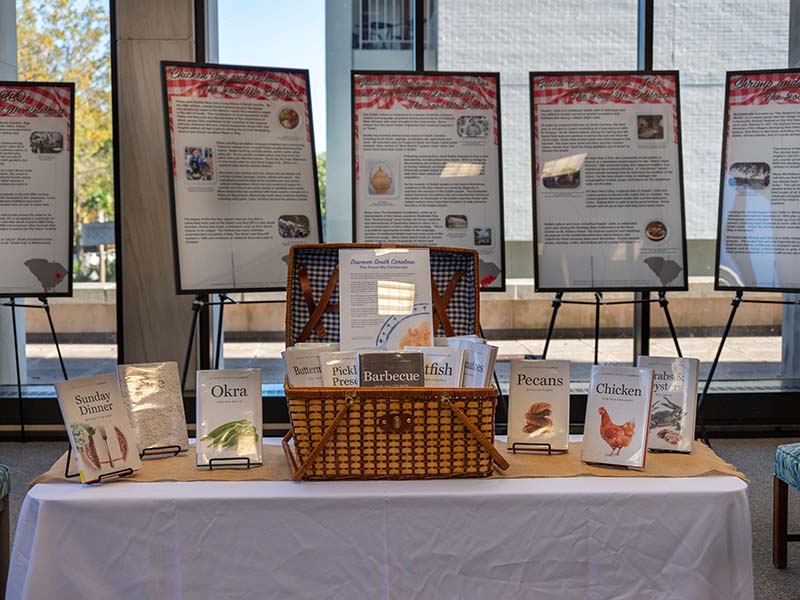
{"points": [[617, 416], [97, 426], [674, 407], [302, 365], [391, 369], [444, 367], [538, 405], [229, 423], [152, 394], [339, 369]]}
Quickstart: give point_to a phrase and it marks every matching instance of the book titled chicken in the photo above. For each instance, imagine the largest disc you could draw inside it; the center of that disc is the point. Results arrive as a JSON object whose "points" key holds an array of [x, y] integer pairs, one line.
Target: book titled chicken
{"points": [[538, 405], [97, 426], [617, 416], [674, 406]]}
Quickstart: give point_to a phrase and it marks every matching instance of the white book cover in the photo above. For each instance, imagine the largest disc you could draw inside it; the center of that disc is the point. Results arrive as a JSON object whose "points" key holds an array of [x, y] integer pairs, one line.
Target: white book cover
{"points": [[674, 407], [538, 403], [302, 366], [339, 369], [617, 416], [479, 365], [154, 400], [385, 298], [321, 346], [444, 367], [229, 421], [97, 425]]}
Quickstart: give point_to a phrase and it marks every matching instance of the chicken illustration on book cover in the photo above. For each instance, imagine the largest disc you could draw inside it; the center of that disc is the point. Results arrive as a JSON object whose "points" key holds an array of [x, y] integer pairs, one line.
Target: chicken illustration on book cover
{"points": [[617, 416]]}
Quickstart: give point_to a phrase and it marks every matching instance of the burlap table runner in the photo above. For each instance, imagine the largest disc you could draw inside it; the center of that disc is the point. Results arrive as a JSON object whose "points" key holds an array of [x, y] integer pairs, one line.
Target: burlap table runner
{"points": [[702, 461]]}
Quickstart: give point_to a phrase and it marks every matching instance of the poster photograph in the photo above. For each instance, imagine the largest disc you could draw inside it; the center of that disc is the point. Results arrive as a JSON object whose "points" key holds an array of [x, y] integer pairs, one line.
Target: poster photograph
{"points": [[608, 209], [427, 164], [243, 174], [36, 182], [758, 241]]}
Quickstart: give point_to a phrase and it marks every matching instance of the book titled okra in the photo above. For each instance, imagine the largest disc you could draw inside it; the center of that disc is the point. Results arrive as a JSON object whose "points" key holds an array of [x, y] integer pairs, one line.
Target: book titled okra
{"points": [[98, 426], [391, 369], [229, 421]]}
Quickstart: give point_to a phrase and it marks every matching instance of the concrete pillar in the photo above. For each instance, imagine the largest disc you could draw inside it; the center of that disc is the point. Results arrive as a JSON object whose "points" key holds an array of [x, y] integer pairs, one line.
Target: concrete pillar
{"points": [[790, 326], [8, 72], [338, 63], [154, 322]]}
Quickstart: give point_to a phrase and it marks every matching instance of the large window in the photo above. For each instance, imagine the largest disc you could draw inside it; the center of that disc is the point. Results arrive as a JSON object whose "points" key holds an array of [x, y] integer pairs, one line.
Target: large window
{"points": [[70, 41]]}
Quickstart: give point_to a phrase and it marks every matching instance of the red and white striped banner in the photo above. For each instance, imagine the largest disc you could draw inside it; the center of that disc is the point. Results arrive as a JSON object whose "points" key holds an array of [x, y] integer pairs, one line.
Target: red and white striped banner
{"points": [[424, 92], [40, 101]]}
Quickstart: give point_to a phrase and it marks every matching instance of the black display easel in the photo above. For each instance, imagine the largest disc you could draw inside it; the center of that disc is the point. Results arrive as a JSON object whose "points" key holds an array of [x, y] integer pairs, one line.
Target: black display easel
{"points": [[737, 300], [558, 300], [46, 307], [199, 304]]}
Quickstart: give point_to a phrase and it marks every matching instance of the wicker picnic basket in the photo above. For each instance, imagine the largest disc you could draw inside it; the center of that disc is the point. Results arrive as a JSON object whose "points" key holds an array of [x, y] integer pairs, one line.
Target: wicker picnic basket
{"points": [[393, 432]]}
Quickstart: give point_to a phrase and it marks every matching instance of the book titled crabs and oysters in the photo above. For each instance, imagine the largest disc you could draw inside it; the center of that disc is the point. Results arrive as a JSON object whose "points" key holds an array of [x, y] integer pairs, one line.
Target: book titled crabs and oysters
{"points": [[538, 405], [98, 426], [618, 416], [674, 407]]}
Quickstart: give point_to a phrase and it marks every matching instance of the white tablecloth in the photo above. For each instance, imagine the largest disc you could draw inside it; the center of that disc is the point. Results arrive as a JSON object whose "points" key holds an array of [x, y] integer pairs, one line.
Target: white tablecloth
{"points": [[522, 538]]}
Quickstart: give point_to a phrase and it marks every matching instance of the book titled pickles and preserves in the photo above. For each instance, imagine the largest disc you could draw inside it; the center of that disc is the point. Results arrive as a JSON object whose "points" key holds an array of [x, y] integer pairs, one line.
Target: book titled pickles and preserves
{"points": [[674, 406], [618, 416], [229, 420], [97, 425], [538, 404]]}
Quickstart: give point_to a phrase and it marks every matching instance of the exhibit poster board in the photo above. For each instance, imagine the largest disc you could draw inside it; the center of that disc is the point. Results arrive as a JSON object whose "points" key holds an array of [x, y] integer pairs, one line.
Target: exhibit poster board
{"points": [[427, 163], [243, 174], [36, 182], [608, 209], [758, 229]]}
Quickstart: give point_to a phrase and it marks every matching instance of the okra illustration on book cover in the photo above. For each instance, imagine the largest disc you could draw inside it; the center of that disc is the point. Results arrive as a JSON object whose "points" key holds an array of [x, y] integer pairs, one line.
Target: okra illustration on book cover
{"points": [[97, 426], [229, 419]]}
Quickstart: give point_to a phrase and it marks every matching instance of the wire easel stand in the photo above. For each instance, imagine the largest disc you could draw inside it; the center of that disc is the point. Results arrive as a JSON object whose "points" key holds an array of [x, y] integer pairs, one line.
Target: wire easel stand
{"points": [[12, 303], [558, 300], [198, 305], [735, 303]]}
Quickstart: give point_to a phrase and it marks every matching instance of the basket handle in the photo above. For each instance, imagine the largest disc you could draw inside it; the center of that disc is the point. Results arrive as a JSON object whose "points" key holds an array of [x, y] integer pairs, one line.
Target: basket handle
{"points": [[487, 444], [326, 437], [287, 450]]}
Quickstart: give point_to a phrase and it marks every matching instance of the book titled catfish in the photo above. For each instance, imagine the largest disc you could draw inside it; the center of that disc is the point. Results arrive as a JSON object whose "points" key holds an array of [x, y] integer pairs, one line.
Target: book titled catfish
{"points": [[390, 369]]}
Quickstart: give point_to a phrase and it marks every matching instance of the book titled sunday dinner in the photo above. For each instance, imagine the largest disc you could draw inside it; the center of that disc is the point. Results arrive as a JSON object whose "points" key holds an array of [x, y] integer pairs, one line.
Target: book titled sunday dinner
{"points": [[538, 404], [98, 426], [618, 416], [672, 414]]}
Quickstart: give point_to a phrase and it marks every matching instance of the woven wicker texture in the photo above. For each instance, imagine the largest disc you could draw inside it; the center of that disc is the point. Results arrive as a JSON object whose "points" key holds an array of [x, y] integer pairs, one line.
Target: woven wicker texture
{"points": [[337, 432]]}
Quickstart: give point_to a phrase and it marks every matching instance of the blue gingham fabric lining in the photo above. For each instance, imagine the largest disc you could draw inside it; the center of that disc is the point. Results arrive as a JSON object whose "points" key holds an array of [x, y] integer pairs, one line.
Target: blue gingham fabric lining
{"points": [[787, 464], [320, 262]]}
